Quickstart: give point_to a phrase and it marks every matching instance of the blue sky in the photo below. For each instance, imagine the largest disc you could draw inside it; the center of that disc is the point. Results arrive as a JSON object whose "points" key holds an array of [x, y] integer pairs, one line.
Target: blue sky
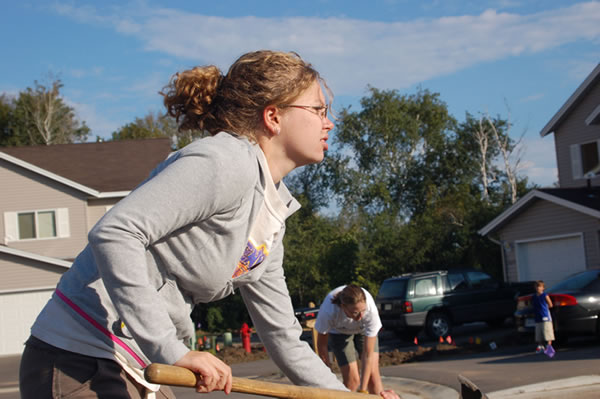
{"points": [[517, 59]]}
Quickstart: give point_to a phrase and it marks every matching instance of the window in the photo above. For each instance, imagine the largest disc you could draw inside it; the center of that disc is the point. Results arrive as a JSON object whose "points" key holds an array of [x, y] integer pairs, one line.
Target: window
{"points": [[575, 282], [480, 280], [585, 159], [392, 289], [456, 282], [39, 224], [425, 287]]}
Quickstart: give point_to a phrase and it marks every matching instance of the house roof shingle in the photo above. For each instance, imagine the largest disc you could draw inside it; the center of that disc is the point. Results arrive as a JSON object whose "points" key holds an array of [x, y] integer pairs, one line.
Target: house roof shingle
{"points": [[105, 167], [586, 197], [572, 102], [582, 199]]}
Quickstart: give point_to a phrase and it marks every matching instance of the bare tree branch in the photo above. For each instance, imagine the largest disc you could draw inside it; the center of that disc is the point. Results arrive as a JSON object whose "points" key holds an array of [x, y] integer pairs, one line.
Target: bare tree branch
{"points": [[511, 155]]}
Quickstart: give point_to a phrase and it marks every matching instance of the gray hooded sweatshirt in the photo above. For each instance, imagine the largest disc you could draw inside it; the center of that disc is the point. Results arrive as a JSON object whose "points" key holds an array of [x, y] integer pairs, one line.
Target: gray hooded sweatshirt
{"points": [[174, 242]]}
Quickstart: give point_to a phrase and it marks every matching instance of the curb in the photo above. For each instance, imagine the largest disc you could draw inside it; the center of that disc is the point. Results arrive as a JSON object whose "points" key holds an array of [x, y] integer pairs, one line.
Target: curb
{"points": [[582, 384], [406, 388], [415, 389]]}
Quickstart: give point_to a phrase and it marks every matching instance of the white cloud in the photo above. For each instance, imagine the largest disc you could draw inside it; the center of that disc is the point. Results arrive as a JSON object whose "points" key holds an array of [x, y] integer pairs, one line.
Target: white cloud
{"points": [[533, 97], [10, 92], [101, 125], [351, 53], [413, 51], [540, 165], [82, 73], [147, 86]]}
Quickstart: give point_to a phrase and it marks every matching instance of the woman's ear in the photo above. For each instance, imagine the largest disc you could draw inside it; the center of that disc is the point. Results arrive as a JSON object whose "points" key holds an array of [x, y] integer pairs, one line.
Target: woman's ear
{"points": [[272, 119]]}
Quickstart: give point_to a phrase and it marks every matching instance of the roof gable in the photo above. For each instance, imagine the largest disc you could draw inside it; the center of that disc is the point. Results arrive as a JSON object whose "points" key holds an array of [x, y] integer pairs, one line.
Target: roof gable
{"points": [[36, 257], [584, 200], [592, 79], [114, 166]]}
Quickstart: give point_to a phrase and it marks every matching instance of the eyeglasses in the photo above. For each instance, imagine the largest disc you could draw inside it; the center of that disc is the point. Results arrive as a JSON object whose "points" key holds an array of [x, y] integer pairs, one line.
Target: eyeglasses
{"points": [[319, 110], [353, 314]]}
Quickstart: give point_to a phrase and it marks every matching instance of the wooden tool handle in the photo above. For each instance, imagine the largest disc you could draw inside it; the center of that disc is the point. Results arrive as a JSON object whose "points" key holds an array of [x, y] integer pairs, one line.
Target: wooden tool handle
{"points": [[180, 376]]}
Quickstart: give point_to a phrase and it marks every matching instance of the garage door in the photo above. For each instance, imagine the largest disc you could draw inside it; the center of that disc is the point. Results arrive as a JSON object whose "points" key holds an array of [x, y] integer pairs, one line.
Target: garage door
{"points": [[550, 260], [18, 311]]}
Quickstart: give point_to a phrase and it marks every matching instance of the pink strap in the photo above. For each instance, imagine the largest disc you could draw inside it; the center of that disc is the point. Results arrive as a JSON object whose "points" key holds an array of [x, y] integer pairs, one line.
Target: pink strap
{"points": [[103, 330]]}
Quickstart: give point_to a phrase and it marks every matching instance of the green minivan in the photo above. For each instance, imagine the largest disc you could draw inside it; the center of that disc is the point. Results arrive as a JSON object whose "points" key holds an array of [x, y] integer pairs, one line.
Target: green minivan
{"points": [[436, 301]]}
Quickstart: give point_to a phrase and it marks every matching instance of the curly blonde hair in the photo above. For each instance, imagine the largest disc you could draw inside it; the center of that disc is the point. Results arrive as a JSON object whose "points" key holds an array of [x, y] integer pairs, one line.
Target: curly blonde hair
{"points": [[203, 99]]}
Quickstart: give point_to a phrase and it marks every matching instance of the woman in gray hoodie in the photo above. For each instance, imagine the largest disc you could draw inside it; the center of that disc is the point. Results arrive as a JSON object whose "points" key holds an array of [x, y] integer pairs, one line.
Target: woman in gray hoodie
{"points": [[210, 219]]}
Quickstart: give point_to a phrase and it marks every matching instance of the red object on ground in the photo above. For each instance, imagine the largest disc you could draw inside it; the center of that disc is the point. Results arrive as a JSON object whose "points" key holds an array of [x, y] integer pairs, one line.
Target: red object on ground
{"points": [[246, 332]]}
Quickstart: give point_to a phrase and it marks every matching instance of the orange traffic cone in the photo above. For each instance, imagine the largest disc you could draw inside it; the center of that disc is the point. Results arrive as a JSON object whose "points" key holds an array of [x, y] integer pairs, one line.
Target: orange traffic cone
{"points": [[441, 340], [449, 339], [416, 341], [217, 347]]}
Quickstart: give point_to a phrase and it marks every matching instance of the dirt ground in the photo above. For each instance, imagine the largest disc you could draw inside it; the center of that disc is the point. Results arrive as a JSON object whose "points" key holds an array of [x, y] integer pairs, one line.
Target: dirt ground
{"points": [[236, 354]]}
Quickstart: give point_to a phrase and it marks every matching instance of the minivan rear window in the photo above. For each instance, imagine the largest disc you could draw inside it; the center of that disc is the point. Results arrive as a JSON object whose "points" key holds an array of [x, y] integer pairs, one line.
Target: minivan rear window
{"points": [[392, 289]]}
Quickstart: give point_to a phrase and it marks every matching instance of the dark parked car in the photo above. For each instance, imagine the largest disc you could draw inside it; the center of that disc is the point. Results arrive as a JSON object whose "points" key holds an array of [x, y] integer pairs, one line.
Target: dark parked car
{"points": [[436, 301], [576, 307], [305, 314]]}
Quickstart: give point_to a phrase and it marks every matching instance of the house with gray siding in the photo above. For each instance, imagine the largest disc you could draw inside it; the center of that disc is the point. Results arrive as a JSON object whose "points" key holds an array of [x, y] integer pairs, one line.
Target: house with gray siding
{"points": [[51, 197], [551, 233]]}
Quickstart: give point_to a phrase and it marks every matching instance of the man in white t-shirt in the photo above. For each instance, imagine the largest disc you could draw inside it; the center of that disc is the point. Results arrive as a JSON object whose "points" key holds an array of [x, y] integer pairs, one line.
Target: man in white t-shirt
{"points": [[348, 320]]}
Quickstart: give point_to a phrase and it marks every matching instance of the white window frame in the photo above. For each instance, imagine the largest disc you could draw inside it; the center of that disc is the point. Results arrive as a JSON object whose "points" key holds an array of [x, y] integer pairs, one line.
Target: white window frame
{"points": [[594, 117], [61, 225], [577, 163]]}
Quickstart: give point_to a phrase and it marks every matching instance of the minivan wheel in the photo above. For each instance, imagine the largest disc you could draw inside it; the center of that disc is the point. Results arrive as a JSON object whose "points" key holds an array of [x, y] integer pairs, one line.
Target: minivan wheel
{"points": [[438, 325]]}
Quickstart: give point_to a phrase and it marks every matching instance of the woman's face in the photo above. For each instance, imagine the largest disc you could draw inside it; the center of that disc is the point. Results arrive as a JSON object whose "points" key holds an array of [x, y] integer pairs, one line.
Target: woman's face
{"points": [[304, 131]]}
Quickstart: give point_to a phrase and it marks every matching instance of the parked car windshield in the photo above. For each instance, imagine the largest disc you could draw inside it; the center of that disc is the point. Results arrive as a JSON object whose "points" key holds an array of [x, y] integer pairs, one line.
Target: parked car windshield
{"points": [[392, 288], [576, 282], [480, 279], [456, 282]]}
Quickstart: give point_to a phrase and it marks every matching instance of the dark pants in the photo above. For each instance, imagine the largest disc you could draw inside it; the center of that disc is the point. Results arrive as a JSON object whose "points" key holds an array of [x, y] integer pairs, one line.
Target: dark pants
{"points": [[50, 372]]}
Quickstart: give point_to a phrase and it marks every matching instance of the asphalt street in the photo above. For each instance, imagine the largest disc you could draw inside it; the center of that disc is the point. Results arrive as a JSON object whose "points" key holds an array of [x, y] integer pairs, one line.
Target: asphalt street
{"points": [[493, 371]]}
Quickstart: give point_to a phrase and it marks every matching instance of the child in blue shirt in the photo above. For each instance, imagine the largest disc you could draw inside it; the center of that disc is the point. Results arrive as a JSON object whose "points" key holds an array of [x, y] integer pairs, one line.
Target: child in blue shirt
{"points": [[544, 332]]}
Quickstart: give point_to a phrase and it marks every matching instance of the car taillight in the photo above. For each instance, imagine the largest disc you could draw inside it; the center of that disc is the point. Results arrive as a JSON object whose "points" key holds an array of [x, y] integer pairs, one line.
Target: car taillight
{"points": [[523, 302], [563, 300], [407, 307]]}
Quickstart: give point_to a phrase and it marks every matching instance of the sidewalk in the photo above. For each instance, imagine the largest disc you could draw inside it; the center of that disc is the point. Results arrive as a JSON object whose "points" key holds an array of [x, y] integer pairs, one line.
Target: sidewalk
{"points": [[581, 387]]}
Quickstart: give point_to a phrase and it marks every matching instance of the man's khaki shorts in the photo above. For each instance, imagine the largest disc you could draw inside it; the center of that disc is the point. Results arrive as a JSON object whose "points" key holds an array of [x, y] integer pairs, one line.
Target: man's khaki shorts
{"points": [[345, 347]]}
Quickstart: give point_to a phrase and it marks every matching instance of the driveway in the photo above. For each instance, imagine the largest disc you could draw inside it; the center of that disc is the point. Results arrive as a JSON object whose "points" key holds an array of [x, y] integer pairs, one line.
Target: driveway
{"points": [[506, 367]]}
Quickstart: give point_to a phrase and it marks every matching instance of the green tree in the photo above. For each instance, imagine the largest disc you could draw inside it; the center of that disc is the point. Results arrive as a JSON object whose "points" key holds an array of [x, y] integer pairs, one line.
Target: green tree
{"points": [[320, 252], [7, 134], [390, 150], [409, 177], [155, 125], [40, 116]]}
